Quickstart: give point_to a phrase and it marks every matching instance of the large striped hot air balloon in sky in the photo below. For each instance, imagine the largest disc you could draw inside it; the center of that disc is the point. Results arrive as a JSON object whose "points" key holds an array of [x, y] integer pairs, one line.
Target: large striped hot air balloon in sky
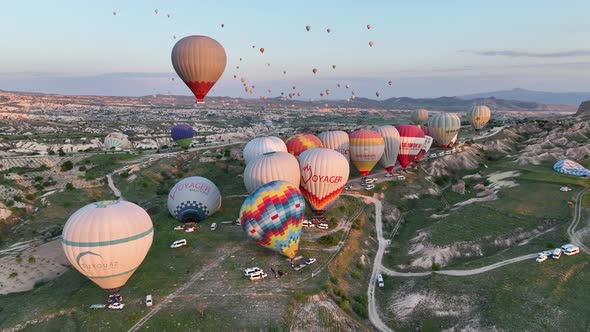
{"points": [[200, 62], [478, 116], [269, 167], [193, 199], [336, 140], [301, 142], [182, 134], [107, 241], [366, 148], [411, 141], [273, 216], [117, 141], [392, 143], [427, 144], [419, 116], [324, 173], [262, 145], [444, 126]]}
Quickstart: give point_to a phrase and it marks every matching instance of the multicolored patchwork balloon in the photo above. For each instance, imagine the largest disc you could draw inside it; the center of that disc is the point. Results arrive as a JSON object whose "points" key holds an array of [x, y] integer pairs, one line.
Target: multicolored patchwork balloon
{"points": [[273, 215], [301, 142]]}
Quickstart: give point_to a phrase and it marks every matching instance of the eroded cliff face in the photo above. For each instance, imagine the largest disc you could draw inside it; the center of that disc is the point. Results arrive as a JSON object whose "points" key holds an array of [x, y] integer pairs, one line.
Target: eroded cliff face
{"points": [[584, 108]]}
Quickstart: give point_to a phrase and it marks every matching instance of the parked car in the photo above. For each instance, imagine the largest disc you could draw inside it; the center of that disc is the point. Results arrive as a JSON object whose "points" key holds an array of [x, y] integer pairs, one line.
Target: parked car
{"points": [[116, 306], [541, 258], [570, 249], [565, 189], [299, 267], [179, 228], [148, 301], [258, 276], [380, 280], [388, 175], [448, 152], [401, 177], [370, 186], [189, 229], [310, 261], [556, 253], [442, 153], [307, 223], [252, 270], [213, 226], [322, 226], [433, 155], [178, 243]]}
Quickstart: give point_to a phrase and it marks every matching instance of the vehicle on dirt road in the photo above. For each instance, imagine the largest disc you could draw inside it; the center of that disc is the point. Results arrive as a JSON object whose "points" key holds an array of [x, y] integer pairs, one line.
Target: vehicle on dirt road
{"points": [[380, 280], [252, 270], [310, 261], [178, 243], [116, 306]]}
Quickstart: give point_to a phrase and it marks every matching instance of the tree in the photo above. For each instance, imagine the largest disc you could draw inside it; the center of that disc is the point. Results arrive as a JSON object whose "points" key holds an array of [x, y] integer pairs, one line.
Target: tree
{"points": [[51, 152], [68, 165], [61, 152], [69, 186]]}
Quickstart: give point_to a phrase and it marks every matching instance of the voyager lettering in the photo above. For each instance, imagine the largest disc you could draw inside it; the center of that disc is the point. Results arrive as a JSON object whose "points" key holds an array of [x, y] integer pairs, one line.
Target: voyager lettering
{"points": [[319, 178], [196, 187], [102, 266]]}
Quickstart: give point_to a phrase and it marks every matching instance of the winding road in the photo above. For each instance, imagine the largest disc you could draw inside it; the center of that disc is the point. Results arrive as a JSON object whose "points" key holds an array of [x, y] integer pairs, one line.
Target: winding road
{"points": [[571, 230]]}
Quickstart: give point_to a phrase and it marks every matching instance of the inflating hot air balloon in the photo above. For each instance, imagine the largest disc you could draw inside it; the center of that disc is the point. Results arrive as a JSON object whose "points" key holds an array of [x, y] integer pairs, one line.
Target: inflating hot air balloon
{"points": [[411, 141], [307, 27], [261, 145], [193, 199], [366, 148], [419, 117], [301, 142], [273, 216], [444, 126], [324, 173], [427, 144], [478, 116], [570, 167], [269, 167], [337, 141], [107, 241], [200, 62], [371, 43], [117, 141], [182, 134], [262, 50], [392, 143], [314, 71]]}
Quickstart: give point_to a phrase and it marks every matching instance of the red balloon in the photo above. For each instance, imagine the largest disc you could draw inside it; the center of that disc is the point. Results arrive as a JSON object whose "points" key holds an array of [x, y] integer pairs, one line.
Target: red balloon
{"points": [[262, 50], [411, 142]]}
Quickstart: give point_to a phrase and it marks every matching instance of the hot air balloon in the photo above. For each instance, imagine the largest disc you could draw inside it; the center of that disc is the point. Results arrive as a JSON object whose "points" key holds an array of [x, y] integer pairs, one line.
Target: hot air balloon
{"points": [[371, 43], [262, 145], [377, 94], [107, 241], [307, 27], [301, 142], [333, 66], [168, 15], [262, 50], [328, 92], [347, 86], [411, 141], [419, 117], [114, 13], [392, 144], [200, 62], [321, 94], [193, 199], [366, 148], [328, 30], [182, 134], [269, 167], [298, 94], [427, 144], [478, 116], [390, 83], [338, 84], [324, 173], [314, 71], [156, 11], [337, 141], [273, 216], [444, 126], [284, 72], [570, 167], [369, 26], [117, 141], [222, 25]]}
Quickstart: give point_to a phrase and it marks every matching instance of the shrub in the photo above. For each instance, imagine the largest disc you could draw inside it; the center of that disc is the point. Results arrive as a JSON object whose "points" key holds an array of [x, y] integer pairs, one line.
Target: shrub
{"points": [[361, 310], [32, 259], [301, 296], [19, 259], [435, 266], [356, 275], [13, 275], [51, 152], [345, 305], [125, 174], [82, 168], [334, 280], [69, 186], [30, 197], [550, 245], [180, 175], [356, 225], [66, 166], [61, 153], [9, 203]]}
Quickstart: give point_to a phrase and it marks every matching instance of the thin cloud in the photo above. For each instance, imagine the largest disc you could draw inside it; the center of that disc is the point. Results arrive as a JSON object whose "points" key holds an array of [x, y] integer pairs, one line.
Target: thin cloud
{"points": [[519, 54]]}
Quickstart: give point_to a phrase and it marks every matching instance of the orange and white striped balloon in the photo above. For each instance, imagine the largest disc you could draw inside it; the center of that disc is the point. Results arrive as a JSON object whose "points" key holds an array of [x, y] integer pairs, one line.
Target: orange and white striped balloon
{"points": [[366, 148]]}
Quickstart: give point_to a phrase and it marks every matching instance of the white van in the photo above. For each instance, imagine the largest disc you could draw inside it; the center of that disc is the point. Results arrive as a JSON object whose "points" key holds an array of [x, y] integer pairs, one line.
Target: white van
{"points": [[307, 223], [148, 301], [570, 249], [380, 280], [556, 253], [323, 226], [252, 270], [178, 243], [258, 276]]}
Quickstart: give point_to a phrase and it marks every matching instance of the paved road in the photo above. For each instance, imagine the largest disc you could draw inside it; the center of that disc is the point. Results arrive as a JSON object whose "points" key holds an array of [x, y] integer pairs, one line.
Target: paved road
{"points": [[571, 230], [115, 190]]}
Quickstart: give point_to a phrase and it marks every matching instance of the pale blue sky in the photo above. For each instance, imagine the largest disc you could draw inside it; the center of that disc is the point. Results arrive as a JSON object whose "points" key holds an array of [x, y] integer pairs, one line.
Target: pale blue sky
{"points": [[426, 47]]}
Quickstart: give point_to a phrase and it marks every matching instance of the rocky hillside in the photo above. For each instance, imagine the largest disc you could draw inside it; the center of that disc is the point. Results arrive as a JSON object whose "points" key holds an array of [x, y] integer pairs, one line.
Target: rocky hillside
{"points": [[584, 108]]}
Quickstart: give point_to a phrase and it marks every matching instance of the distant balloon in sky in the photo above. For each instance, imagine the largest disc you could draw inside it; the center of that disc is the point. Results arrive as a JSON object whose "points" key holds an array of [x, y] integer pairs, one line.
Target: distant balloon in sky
{"points": [[114, 13], [369, 26], [262, 50], [200, 62], [377, 94], [284, 72], [371, 43], [222, 25], [328, 92], [390, 83], [347, 86], [168, 15], [338, 84], [321, 94], [253, 46], [314, 71], [174, 37], [333, 66], [156, 11], [307, 27], [328, 30]]}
